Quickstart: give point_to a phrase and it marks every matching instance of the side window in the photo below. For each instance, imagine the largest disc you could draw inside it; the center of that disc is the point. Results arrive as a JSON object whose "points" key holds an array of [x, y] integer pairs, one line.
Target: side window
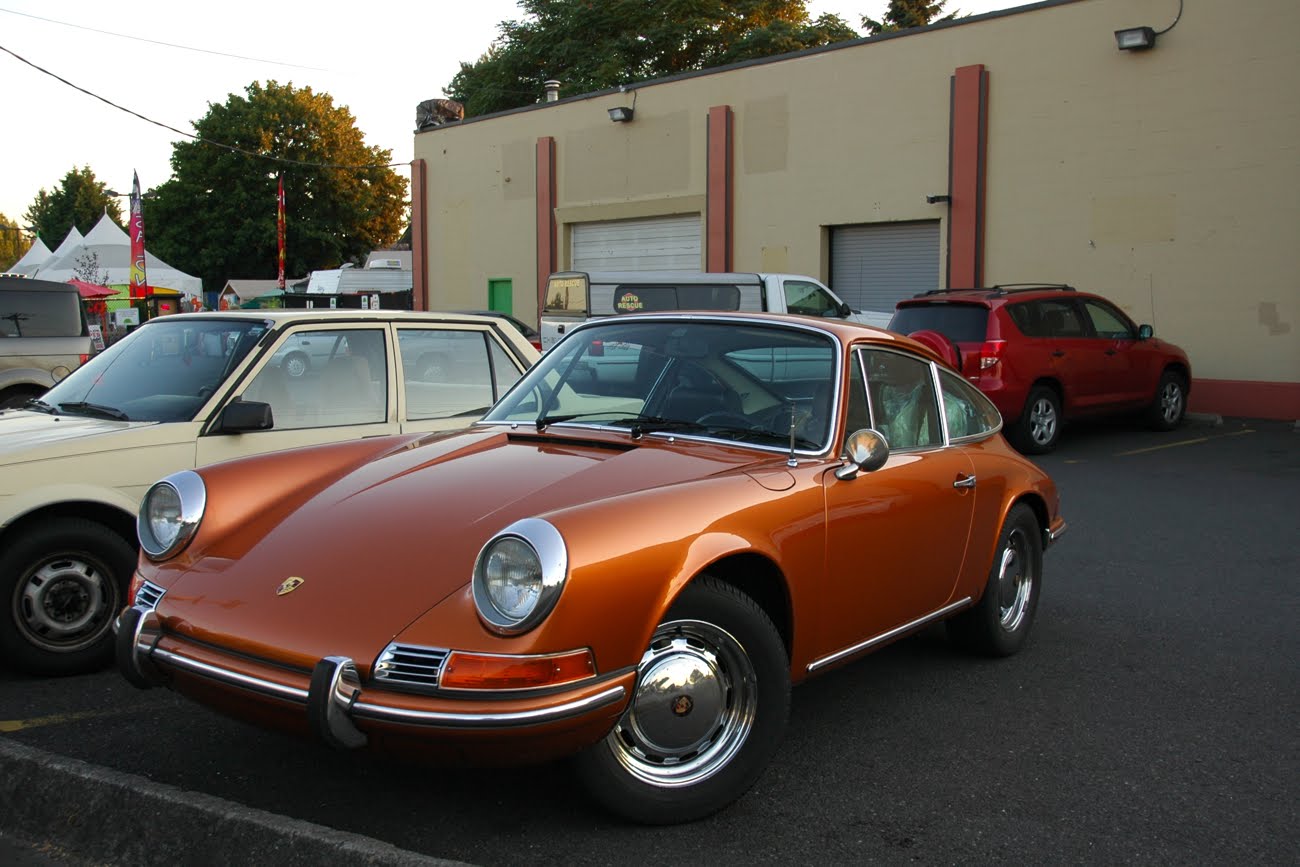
{"points": [[1061, 319], [903, 403], [859, 412], [808, 299], [445, 372], [1109, 322], [325, 379], [1028, 317], [505, 372], [966, 410]]}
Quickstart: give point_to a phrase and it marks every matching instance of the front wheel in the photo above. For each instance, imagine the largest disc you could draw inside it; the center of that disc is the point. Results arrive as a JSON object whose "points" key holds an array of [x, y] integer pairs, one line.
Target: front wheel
{"points": [[999, 623], [64, 582], [710, 706], [1170, 404]]}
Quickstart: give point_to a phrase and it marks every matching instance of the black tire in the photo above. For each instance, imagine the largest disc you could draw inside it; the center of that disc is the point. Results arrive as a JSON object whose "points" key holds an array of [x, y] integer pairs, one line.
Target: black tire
{"points": [[17, 398], [1000, 622], [1170, 404], [63, 581], [710, 707], [1038, 429]]}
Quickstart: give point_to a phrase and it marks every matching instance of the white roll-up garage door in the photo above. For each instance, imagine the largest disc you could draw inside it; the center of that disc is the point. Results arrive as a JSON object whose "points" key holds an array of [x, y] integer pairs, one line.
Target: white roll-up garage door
{"points": [[652, 244], [875, 266]]}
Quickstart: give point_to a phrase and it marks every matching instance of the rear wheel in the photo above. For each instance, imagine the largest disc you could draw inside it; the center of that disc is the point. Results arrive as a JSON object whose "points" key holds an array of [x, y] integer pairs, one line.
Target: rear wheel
{"points": [[296, 364], [708, 712], [1170, 404], [64, 582], [999, 623], [1039, 427]]}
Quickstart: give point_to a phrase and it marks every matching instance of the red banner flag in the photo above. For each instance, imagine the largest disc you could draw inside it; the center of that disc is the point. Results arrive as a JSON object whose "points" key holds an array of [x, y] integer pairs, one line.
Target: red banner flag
{"points": [[139, 282], [279, 229]]}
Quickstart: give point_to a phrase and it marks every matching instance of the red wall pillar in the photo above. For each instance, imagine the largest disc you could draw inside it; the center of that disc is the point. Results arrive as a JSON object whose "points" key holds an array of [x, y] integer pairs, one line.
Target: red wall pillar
{"points": [[419, 235], [546, 231], [967, 140], [719, 207]]}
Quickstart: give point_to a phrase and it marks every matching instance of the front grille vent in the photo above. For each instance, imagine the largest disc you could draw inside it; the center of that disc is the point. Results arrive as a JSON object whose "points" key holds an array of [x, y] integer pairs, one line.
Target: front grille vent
{"points": [[148, 596], [411, 665]]}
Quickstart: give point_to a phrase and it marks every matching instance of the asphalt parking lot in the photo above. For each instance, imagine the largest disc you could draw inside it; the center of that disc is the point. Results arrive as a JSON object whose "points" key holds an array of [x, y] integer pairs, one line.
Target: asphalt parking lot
{"points": [[1151, 719]]}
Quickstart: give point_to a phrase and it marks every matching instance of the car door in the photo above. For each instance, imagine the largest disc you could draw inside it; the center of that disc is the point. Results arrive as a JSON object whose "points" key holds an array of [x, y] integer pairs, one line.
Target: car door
{"points": [[896, 537], [346, 394], [1125, 378], [1079, 359], [449, 374]]}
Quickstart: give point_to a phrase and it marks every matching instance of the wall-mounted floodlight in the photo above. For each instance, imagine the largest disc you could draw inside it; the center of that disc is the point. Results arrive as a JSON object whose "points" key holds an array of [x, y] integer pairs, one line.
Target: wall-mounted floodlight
{"points": [[620, 113], [1135, 39]]}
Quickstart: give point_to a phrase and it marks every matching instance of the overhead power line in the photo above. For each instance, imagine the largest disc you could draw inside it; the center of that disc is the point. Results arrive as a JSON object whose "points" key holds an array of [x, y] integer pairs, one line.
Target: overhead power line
{"points": [[159, 42], [199, 138]]}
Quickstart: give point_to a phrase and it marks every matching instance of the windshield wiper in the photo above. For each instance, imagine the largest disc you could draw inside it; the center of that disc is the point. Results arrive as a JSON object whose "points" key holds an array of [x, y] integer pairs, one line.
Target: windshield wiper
{"points": [[80, 407], [615, 418], [38, 405]]}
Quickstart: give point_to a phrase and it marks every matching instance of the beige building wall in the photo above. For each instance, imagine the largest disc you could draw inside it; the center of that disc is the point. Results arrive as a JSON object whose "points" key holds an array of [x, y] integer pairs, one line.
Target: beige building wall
{"points": [[1168, 180]]}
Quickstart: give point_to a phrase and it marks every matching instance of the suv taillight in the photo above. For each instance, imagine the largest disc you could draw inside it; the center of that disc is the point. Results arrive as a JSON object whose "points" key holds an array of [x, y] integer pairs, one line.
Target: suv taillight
{"points": [[84, 358], [991, 353]]}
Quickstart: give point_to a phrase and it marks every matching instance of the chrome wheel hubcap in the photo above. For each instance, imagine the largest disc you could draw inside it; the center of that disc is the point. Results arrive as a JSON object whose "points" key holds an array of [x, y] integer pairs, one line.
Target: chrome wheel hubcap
{"points": [[694, 706], [65, 604], [1015, 581], [1042, 421], [1171, 402], [295, 366]]}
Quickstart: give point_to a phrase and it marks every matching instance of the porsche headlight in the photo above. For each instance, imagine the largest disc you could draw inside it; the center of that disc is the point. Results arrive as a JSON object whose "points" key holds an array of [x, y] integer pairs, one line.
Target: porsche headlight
{"points": [[170, 514], [518, 576]]}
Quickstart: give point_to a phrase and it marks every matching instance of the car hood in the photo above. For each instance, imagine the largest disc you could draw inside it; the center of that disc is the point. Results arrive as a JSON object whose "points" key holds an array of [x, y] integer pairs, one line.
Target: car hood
{"points": [[389, 540], [27, 436]]}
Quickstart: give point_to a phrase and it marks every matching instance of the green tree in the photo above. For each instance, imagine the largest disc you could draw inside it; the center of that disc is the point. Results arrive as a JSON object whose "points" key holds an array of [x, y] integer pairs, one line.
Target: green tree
{"points": [[216, 216], [906, 14], [79, 200], [591, 45], [14, 242]]}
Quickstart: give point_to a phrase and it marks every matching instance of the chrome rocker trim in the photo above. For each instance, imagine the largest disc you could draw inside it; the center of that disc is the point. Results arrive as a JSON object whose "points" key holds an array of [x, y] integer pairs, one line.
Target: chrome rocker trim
{"points": [[886, 636], [336, 696], [1050, 536]]}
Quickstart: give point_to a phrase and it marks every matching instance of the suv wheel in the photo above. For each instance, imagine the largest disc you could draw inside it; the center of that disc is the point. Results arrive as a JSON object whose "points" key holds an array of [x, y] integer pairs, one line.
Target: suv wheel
{"points": [[1039, 426], [1170, 404]]}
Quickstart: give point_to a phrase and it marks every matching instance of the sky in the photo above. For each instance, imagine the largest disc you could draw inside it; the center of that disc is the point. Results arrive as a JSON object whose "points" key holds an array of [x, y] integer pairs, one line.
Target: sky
{"points": [[169, 61]]}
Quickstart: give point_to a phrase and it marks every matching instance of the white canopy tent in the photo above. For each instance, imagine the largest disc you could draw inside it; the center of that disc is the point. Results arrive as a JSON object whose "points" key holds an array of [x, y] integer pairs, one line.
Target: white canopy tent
{"points": [[36, 254], [112, 248]]}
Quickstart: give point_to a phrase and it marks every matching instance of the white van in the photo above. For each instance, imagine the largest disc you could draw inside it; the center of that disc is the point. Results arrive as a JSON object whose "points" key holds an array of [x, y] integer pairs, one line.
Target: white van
{"points": [[44, 336]]}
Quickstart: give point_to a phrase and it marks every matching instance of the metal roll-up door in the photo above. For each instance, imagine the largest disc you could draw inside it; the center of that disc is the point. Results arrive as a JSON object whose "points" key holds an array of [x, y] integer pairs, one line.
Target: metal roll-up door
{"points": [[873, 267], [652, 244]]}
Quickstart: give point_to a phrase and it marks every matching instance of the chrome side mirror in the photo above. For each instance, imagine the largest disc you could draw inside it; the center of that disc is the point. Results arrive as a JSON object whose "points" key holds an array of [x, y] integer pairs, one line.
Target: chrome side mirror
{"points": [[865, 451]]}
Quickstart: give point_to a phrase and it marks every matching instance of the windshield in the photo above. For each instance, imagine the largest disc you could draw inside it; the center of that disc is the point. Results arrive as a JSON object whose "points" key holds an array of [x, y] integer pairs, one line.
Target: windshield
{"points": [[763, 385], [163, 371]]}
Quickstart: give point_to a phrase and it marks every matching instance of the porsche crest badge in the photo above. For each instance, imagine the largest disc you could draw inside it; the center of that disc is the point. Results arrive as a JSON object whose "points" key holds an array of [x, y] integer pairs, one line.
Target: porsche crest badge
{"points": [[289, 585]]}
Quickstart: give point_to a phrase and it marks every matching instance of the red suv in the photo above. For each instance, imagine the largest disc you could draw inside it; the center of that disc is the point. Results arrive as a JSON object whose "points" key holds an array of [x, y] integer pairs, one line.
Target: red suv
{"points": [[1045, 354]]}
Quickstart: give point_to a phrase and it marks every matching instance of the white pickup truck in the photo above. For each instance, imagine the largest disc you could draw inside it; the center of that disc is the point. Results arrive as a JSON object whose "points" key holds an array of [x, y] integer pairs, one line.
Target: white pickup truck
{"points": [[573, 297]]}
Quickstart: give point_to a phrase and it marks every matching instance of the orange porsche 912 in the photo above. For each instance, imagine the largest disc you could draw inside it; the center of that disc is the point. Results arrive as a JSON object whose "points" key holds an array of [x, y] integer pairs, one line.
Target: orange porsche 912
{"points": [[665, 524]]}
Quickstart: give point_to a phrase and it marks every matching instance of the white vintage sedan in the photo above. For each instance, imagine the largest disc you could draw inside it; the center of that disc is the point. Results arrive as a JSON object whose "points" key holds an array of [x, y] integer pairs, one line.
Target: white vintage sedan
{"points": [[187, 390]]}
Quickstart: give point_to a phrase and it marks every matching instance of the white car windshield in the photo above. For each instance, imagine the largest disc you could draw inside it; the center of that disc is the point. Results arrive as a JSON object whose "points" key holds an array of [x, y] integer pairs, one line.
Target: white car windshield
{"points": [[759, 384], [163, 371]]}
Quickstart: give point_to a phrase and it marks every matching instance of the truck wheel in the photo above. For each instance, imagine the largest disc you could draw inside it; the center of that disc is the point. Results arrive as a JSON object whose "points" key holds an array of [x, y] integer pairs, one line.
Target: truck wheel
{"points": [[64, 581]]}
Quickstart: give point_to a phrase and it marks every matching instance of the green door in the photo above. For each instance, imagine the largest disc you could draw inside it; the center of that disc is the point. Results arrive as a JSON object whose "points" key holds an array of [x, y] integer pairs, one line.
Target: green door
{"points": [[501, 295]]}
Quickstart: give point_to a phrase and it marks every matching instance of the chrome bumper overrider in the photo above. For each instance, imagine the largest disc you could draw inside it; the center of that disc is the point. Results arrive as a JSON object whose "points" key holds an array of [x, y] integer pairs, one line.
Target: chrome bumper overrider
{"points": [[335, 698]]}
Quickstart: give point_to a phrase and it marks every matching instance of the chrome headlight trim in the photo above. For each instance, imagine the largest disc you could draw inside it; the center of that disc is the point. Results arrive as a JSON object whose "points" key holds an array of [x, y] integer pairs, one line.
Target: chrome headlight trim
{"points": [[191, 494], [553, 558]]}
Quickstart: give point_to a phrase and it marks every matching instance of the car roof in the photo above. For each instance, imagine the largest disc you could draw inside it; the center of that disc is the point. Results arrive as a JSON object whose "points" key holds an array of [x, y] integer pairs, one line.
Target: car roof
{"points": [[991, 295], [842, 329], [281, 316]]}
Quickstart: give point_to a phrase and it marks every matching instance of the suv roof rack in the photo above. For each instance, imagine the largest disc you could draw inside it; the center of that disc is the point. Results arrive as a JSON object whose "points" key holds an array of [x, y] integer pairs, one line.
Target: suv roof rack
{"points": [[1001, 289]]}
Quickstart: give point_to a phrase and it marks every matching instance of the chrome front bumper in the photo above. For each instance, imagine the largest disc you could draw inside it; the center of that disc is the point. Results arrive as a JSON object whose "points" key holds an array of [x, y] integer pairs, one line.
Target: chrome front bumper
{"points": [[335, 700]]}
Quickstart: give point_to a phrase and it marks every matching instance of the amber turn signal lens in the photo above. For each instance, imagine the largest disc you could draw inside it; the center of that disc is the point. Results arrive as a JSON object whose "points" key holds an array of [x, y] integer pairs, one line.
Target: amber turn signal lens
{"points": [[487, 671]]}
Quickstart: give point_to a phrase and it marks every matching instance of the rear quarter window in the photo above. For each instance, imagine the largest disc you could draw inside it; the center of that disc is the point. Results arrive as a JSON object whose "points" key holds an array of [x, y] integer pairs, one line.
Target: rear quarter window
{"points": [[34, 313], [960, 323]]}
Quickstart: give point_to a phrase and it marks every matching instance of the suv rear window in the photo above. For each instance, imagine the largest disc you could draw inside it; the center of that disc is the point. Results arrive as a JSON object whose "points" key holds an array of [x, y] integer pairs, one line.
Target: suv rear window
{"points": [[39, 313], [960, 323]]}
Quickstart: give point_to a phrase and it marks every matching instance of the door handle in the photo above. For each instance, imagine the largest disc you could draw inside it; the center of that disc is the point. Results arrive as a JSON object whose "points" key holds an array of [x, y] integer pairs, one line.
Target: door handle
{"points": [[1111, 351], [964, 482], [1060, 353]]}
